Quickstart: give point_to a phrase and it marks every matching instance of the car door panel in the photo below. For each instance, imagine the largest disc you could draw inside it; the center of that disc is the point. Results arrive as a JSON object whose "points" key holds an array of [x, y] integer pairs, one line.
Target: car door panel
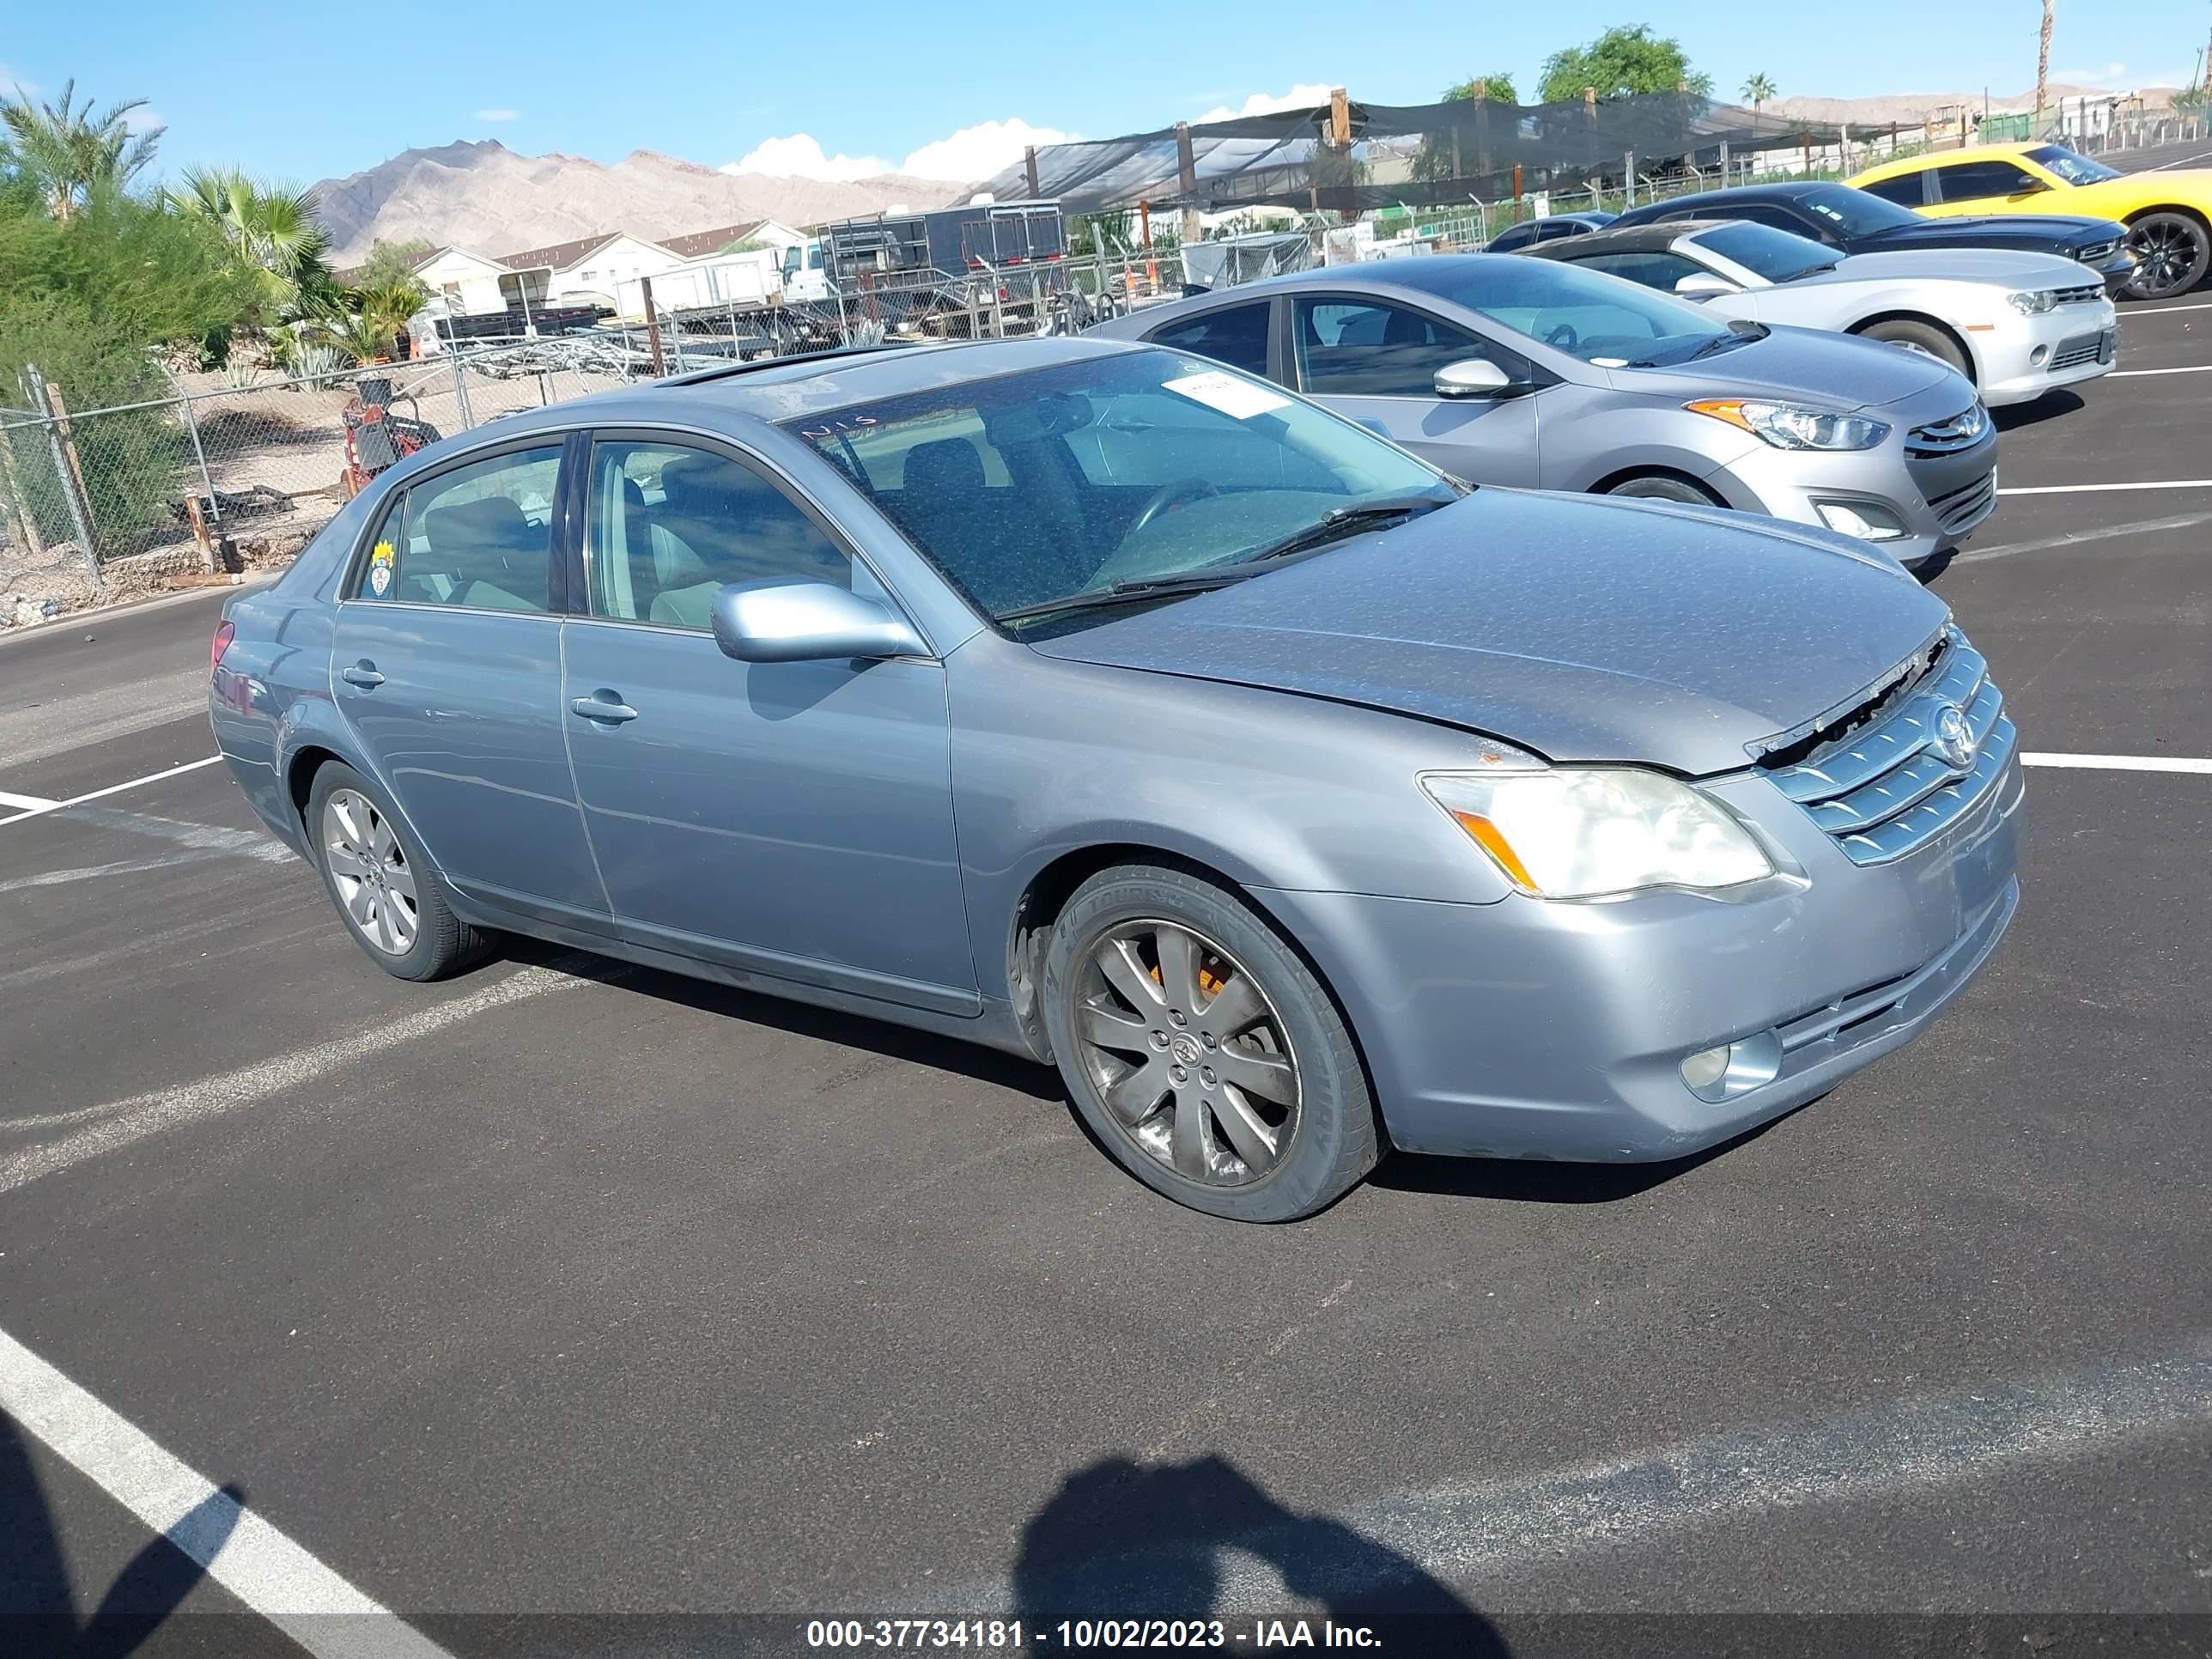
{"points": [[793, 819], [455, 707]]}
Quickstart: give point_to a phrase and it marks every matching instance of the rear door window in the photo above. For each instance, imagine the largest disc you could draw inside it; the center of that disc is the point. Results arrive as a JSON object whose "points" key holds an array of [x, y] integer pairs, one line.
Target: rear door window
{"points": [[1236, 335], [1907, 189], [1363, 348], [479, 537]]}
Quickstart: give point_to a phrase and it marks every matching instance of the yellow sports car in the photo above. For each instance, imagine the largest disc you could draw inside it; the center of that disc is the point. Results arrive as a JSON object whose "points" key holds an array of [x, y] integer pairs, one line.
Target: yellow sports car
{"points": [[2168, 213]]}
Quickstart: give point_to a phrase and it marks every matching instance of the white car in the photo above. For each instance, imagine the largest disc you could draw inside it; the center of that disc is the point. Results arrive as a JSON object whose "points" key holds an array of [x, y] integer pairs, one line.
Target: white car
{"points": [[2018, 324]]}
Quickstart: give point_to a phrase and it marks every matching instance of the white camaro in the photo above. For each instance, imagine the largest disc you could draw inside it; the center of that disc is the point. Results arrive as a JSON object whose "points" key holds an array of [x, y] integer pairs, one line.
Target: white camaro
{"points": [[2018, 324]]}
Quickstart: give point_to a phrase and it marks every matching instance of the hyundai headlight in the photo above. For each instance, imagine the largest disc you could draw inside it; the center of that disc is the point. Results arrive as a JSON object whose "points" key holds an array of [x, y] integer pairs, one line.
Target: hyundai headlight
{"points": [[1794, 426], [2033, 302], [1583, 832]]}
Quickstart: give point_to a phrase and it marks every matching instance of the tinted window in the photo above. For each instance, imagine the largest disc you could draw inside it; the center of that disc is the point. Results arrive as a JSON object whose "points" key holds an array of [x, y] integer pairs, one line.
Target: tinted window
{"points": [[1968, 181], [1855, 212], [479, 536], [1360, 347], [1906, 189], [1520, 235], [1143, 464], [671, 524], [1236, 335], [1658, 270], [1777, 255], [2074, 169]]}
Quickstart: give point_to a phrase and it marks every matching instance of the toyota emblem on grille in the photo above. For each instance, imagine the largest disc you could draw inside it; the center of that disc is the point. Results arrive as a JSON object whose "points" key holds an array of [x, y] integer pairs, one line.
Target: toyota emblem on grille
{"points": [[1952, 738]]}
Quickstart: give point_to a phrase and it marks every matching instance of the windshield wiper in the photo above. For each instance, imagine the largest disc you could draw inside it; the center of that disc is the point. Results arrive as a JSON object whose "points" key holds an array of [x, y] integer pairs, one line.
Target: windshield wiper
{"points": [[1339, 522], [1332, 526], [1809, 271]]}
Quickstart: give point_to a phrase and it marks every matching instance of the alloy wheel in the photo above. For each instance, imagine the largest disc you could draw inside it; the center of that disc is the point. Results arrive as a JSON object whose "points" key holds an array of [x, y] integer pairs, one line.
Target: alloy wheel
{"points": [[375, 884], [2166, 251], [1187, 1053]]}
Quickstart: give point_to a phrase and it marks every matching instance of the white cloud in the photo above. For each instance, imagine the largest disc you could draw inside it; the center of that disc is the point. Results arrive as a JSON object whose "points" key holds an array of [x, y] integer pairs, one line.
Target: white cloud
{"points": [[1304, 95], [144, 119], [979, 151], [801, 157], [499, 115], [969, 154], [11, 83]]}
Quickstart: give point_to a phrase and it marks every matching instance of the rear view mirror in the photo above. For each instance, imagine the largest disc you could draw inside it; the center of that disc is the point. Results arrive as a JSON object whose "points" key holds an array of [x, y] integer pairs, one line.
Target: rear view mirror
{"points": [[1475, 377], [1702, 285], [807, 622]]}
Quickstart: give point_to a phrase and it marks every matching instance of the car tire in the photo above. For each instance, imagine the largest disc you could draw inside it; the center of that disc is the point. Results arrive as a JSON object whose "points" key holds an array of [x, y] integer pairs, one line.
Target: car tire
{"points": [[2172, 251], [1665, 487], [1255, 1108], [1922, 336], [388, 892]]}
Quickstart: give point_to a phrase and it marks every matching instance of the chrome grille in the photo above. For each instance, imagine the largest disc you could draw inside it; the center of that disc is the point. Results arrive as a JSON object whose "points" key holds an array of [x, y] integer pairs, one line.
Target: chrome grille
{"points": [[2080, 348], [1882, 791], [1960, 431], [1961, 509]]}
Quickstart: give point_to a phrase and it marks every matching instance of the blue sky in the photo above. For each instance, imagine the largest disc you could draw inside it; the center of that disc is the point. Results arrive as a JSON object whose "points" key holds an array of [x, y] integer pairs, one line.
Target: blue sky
{"points": [[313, 91]]}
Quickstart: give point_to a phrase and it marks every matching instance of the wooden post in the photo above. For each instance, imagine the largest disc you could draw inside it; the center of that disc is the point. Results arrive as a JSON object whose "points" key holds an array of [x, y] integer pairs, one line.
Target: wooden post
{"points": [[1151, 266], [71, 473], [1186, 183], [21, 517], [1516, 192], [1339, 119], [1029, 164], [652, 327], [209, 561]]}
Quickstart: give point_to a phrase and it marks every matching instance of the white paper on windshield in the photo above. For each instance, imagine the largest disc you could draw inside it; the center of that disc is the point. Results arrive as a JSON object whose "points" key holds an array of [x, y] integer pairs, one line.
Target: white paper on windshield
{"points": [[1238, 400]]}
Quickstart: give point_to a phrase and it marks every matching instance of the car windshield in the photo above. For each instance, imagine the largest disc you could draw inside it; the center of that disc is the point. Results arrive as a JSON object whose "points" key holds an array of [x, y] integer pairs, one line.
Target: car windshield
{"points": [[1105, 476], [1774, 254], [1857, 212], [1603, 321], [2074, 169]]}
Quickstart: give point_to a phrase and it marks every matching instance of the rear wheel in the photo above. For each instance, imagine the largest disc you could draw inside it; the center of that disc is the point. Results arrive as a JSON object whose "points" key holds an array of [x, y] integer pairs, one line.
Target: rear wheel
{"points": [[2172, 251], [1201, 1050], [1924, 337], [392, 900], [1665, 487]]}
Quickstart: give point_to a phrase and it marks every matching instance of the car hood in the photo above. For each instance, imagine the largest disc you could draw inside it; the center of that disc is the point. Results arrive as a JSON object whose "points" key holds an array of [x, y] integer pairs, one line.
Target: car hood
{"points": [[1583, 628], [2001, 230], [1833, 371], [2012, 268]]}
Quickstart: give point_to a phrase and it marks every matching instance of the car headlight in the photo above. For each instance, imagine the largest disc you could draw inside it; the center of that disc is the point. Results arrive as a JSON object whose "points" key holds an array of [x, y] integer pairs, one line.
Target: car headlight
{"points": [[1792, 426], [1583, 832], [2033, 302]]}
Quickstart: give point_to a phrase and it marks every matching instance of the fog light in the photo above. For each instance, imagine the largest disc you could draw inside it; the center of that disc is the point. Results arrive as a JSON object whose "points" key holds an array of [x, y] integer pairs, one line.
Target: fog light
{"points": [[1861, 519], [1702, 1070], [1733, 1068], [2036, 358]]}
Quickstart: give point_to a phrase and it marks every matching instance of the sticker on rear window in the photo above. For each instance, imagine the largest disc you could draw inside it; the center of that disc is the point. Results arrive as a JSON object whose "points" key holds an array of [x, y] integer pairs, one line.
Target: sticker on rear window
{"points": [[380, 568], [1238, 400]]}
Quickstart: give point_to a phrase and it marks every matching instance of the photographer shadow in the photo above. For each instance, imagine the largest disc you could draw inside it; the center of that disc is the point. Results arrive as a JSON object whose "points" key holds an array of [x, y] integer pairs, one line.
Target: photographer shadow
{"points": [[1120, 1541]]}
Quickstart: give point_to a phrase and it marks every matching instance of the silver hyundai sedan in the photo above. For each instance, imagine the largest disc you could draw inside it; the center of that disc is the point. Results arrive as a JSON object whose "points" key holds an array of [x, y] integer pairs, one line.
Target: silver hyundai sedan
{"points": [[1120, 710], [1510, 370]]}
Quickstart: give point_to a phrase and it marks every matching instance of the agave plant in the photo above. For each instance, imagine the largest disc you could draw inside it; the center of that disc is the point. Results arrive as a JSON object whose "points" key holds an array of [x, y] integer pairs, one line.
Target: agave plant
{"points": [[271, 228], [239, 376], [66, 152]]}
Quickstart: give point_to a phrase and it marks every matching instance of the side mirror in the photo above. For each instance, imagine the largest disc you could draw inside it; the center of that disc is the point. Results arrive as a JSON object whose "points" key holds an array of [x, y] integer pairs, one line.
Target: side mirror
{"points": [[2029, 186], [1475, 377], [807, 622], [1702, 285]]}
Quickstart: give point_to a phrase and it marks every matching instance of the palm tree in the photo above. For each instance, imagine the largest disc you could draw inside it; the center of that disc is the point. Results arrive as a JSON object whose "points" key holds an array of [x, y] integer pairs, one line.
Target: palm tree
{"points": [[67, 152], [2043, 64], [272, 227], [1759, 89]]}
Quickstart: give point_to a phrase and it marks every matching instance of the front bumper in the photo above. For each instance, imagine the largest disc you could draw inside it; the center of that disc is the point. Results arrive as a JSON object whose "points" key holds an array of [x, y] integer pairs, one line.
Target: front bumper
{"points": [[1528, 1029], [2025, 357], [1938, 499]]}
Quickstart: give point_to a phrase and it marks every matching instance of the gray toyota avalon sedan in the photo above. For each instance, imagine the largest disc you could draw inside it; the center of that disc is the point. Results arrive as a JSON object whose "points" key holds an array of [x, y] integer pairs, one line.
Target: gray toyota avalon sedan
{"points": [[1113, 707], [1517, 370]]}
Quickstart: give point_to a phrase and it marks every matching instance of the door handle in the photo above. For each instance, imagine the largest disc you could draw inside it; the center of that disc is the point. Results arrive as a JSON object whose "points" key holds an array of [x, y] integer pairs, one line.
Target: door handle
{"points": [[602, 706], [363, 673]]}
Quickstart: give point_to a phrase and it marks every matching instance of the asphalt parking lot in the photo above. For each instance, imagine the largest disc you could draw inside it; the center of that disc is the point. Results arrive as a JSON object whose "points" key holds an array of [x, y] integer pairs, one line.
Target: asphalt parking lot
{"points": [[570, 1289]]}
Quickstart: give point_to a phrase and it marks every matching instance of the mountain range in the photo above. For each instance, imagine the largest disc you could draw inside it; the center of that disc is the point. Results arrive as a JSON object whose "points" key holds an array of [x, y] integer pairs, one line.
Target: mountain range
{"points": [[483, 195]]}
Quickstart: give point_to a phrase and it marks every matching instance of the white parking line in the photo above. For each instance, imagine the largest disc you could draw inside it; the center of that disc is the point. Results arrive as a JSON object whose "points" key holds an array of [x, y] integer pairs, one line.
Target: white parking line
{"points": [[2068, 538], [2121, 762], [44, 807], [270, 1574], [2185, 161], [2160, 310], [2133, 373], [7, 799], [2051, 490]]}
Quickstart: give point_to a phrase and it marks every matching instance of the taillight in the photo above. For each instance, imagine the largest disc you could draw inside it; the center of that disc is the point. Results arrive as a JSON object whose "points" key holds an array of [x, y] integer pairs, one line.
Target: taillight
{"points": [[224, 636]]}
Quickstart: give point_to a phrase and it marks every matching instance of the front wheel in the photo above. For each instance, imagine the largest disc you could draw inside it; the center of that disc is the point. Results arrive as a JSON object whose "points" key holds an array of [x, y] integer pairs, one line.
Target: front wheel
{"points": [[390, 897], [1665, 487], [1201, 1050], [2172, 251], [1923, 338]]}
